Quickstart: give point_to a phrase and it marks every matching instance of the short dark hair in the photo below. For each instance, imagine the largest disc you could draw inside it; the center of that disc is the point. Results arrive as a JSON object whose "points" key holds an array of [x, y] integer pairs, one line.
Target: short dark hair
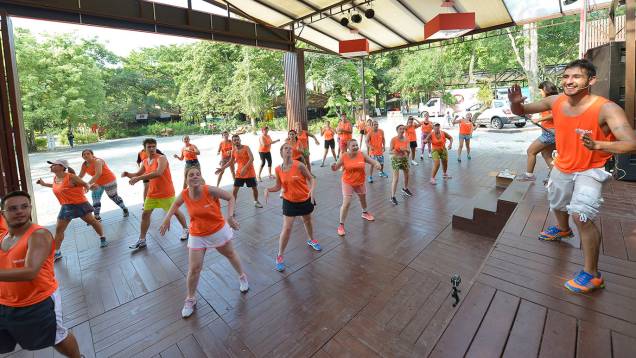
{"points": [[549, 88], [14, 194], [588, 66], [436, 125], [235, 136], [149, 141]]}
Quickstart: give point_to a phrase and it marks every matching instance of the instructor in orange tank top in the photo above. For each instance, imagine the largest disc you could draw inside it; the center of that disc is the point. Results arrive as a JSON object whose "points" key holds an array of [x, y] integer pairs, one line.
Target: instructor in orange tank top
{"points": [[30, 303], [102, 180], [245, 173], [588, 130]]}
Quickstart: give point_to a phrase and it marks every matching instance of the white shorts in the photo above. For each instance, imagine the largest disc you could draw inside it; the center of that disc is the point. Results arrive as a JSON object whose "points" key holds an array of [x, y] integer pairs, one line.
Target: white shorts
{"points": [[61, 332], [577, 193], [212, 241]]}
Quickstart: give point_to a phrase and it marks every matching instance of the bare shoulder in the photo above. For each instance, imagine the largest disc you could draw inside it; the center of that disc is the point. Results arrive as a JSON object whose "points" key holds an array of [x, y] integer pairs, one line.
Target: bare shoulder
{"points": [[41, 235]]}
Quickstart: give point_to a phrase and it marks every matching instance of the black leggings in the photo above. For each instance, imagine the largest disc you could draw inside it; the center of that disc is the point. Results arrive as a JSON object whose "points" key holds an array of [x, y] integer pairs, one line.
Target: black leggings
{"points": [[265, 157]]}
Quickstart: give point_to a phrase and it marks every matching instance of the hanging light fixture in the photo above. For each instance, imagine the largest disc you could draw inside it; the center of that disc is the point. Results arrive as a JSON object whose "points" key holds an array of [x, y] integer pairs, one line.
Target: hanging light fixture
{"points": [[356, 18], [369, 13], [344, 21], [451, 3], [353, 48], [446, 26]]}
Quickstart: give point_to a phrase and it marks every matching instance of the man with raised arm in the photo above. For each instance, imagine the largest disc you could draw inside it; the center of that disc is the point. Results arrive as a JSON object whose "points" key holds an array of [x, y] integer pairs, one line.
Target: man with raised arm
{"points": [[588, 129]]}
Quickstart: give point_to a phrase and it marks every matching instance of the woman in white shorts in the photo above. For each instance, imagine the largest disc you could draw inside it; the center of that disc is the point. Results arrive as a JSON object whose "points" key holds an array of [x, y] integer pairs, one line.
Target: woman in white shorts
{"points": [[208, 230]]}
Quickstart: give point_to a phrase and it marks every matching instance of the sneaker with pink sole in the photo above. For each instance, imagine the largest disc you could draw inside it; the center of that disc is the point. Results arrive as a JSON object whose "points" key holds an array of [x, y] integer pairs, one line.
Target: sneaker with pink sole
{"points": [[367, 216], [341, 230]]}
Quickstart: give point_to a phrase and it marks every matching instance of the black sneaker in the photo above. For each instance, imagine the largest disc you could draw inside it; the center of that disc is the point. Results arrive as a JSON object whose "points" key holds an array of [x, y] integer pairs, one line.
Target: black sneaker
{"points": [[394, 200], [406, 192], [126, 213], [140, 244], [103, 242]]}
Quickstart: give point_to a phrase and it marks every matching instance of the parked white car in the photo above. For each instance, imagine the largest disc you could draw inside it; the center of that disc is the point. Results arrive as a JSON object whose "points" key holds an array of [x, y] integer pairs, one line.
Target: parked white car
{"points": [[497, 116]]}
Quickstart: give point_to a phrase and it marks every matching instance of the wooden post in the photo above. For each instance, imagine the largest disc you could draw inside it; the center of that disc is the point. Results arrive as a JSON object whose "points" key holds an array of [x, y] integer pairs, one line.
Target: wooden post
{"points": [[295, 89], [630, 61]]}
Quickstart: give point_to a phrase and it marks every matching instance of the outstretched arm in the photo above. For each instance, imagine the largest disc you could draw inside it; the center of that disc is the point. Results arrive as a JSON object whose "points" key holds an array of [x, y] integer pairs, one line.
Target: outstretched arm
{"points": [[517, 107]]}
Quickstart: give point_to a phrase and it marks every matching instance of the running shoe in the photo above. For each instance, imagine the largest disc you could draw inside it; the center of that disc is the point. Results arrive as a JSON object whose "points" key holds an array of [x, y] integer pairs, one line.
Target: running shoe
{"points": [[243, 284], [414, 163], [258, 205], [98, 218], [58, 255], [394, 200], [526, 177], [383, 175], [421, 156], [446, 176], [188, 307], [322, 165], [103, 242], [140, 244], [433, 182], [341, 230], [280, 264], [469, 157], [185, 234], [314, 244], [545, 182], [406, 192], [584, 282], [553, 233], [370, 179], [126, 213], [367, 216], [459, 160], [430, 155]]}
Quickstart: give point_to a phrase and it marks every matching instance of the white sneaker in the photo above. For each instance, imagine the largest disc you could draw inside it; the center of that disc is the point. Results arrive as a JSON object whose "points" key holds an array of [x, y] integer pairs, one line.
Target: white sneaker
{"points": [[430, 155], [243, 285], [185, 234], [188, 307], [258, 205], [414, 162]]}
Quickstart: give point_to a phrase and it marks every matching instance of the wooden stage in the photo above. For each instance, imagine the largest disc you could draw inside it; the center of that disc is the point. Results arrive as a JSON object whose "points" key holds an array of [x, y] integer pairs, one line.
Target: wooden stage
{"points": [[382, 291]]}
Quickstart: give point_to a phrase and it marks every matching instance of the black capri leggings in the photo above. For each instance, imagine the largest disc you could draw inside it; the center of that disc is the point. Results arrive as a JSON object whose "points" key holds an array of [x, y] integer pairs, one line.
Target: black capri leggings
{"points": [[265, 157]]}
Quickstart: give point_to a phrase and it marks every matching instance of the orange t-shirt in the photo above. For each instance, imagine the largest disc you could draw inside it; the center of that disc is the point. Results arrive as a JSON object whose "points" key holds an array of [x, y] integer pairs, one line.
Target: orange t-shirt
{"points": [[226, 148], [549, 124], [67, 193], [189, 154], [410, 133], [361, 125], [106, 177], [297, 149], [241, 157], [465, 127], [347, 127], [438, 143], [294, 183], [353, 173], [427, 128], [160, 187], [397, 144], [26, 293], [573, 156], [303, 138], [4, 228], [375, 142], [205, 213], [266, 147], [328, 134]]}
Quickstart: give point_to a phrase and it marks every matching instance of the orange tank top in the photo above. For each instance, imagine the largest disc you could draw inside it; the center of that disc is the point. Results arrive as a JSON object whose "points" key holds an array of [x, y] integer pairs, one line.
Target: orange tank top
{"points": [[3, 226], [26, 293], [345, 126], [427, 128], [143, 154], [304, 139], [328, 134], [410, 133], [205, 213], [353, 169], [397, 144], [106, 177], [297, 149], [267, 144], [226, 149], [160, 187], [189, 154], [549, 124], [375, 141], [241, 157], [294, 183], [465, 128], [438, 143], [67, 193], [573, 156]]}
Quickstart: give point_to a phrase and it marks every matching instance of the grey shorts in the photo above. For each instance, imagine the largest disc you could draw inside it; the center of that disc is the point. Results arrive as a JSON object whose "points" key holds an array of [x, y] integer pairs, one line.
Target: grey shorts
{"points": [[577, 193]]}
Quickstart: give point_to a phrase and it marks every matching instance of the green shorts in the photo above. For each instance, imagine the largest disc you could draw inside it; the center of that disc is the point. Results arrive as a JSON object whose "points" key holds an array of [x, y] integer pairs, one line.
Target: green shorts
{"points": [[438, 154], [400, 163], [158, 203]]}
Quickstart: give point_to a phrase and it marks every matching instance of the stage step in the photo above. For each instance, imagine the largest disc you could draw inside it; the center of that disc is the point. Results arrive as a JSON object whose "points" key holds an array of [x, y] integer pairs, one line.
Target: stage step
{"points": [[487, 213]]}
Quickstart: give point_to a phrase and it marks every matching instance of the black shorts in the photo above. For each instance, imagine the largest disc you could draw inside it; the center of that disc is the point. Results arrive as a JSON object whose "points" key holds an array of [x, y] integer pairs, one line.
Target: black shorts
{"points": [[297, 209], [33, 327], [330, 143], [266, 157], [249, 182], [362, 131], [413, 144]]}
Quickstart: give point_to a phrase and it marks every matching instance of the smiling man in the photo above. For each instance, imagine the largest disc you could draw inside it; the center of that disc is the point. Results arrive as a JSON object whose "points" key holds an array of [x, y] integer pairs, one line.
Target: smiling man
{"points": [[588, 129]]}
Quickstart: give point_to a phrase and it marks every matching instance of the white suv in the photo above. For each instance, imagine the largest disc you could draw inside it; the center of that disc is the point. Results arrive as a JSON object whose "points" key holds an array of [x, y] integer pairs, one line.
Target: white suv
{"points": [[498, 115]]}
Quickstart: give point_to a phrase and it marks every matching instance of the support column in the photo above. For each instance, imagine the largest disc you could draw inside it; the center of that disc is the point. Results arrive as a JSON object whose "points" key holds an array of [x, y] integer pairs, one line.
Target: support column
{"points": [[364, 93], [295, 89], [630, 62], [13, 149]]}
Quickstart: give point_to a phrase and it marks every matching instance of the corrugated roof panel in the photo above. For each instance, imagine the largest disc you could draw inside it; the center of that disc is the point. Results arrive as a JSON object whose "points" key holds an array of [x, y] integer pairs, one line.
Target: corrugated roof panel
{"points": [[261, 12], [487, 12], [339, 32], [427, 9], [522, 11], [318, 38], [383, 35], [400, 19], [294, 7]]}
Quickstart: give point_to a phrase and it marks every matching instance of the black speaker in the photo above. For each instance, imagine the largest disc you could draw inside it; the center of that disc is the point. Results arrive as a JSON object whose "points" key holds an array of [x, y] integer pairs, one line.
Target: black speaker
{"points": [[609, 60]]}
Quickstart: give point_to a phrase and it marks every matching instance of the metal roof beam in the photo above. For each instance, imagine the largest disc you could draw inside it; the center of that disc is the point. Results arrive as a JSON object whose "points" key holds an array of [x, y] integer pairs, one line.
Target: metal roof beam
{"points": [[411, 11], [388, 27]]}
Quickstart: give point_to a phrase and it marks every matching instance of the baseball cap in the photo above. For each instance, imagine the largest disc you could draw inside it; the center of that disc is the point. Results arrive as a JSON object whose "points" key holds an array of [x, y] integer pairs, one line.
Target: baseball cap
{"points": [[62, 162]]}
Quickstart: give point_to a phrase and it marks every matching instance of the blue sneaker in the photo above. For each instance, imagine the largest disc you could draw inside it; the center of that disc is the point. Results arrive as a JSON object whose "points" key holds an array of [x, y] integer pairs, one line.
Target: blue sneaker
{"points": [[280, 264], [314, 245], [584, 282], [58, 255], [553, 233], [370, 179]]}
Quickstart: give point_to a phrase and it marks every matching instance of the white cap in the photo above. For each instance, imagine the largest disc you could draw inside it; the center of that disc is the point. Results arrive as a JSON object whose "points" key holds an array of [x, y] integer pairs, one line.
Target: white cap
{"points": [[62, 162]]}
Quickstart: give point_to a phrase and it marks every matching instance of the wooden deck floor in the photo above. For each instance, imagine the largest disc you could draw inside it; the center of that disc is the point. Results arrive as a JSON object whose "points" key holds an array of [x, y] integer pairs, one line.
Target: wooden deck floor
{"points": [[384, 290]]}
